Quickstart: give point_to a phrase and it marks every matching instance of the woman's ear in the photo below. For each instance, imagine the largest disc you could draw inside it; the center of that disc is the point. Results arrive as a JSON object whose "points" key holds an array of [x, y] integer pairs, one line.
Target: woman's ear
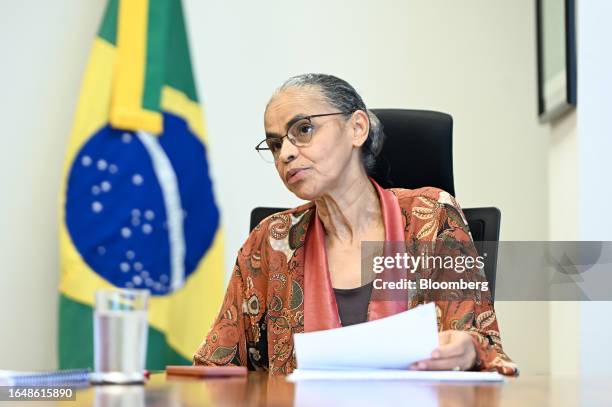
{"points": [[361, 127]]}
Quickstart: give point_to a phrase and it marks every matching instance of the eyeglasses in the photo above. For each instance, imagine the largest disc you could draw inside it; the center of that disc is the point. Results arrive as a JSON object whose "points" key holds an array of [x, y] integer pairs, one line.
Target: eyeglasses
{"points": [[299, 134]]}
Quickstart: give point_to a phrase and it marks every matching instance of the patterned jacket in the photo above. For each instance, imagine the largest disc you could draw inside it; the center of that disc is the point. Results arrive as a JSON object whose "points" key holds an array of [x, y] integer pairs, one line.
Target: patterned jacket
{"points": [[264, 303]]}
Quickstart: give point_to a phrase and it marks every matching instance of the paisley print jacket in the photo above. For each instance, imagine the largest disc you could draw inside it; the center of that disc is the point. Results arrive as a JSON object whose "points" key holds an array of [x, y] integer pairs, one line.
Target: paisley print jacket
{"points": [[265, 300]]}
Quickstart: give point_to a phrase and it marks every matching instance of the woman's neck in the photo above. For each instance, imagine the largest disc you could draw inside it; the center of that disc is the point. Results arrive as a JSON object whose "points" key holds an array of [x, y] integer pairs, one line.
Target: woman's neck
{"points": [[349, 210]]}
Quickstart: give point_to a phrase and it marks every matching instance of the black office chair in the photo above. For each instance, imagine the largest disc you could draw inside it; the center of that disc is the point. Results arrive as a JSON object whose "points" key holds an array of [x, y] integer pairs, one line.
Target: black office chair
{"points": [[418, 150], [431, 133]]}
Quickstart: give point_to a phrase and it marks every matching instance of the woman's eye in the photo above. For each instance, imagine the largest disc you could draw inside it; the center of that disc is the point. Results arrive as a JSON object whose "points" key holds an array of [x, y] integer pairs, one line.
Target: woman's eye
{"points": [[274, 145], [304, 130]]}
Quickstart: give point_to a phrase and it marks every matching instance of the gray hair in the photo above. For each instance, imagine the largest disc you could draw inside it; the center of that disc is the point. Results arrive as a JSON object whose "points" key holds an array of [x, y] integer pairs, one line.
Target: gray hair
{"points": [[345, 98]]}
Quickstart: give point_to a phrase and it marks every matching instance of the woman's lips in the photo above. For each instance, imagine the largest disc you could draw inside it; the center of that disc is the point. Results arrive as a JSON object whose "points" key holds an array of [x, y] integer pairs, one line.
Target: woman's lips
{"points": [[295, 175]]}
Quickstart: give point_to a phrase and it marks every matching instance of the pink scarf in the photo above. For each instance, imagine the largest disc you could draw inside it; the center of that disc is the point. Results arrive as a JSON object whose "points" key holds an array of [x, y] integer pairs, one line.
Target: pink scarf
{"points": [[320, 308]]}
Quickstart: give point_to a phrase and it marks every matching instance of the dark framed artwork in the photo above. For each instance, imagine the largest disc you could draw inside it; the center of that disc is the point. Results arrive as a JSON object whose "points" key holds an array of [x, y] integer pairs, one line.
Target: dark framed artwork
{"points": [[556, 37]]}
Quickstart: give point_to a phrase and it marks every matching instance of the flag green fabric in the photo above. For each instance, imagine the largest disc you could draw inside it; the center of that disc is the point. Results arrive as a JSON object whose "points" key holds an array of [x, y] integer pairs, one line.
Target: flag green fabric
{"points": [[137, 208]]}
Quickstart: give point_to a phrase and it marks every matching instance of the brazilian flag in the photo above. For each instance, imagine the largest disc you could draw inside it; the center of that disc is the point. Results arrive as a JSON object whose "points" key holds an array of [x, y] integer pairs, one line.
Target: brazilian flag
{"points": [[137, 207]]}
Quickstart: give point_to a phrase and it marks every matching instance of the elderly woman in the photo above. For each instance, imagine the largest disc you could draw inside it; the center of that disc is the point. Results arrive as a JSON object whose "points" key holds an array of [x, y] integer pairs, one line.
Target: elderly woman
{"points": [[300, 270]]}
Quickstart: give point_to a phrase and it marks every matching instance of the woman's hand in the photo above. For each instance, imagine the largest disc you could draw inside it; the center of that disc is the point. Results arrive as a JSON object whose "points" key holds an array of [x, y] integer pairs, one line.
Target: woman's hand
{"points": [[455, 352]]}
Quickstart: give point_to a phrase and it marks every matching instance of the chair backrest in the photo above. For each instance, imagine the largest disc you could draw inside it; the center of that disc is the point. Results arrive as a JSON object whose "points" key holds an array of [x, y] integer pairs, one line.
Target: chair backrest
{"points": [[418, 150], [430, 164], [484, 225]]}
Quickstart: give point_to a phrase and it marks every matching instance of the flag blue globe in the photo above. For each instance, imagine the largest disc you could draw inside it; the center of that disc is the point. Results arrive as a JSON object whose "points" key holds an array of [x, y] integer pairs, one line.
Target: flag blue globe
{"points": [[140, 208]]}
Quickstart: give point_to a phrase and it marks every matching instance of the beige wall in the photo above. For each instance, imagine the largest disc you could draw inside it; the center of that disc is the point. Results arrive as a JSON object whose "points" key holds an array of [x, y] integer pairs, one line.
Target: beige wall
{"points": [[594, 169], [44, 50], [579, 173], [563, 225], [474, 59]]}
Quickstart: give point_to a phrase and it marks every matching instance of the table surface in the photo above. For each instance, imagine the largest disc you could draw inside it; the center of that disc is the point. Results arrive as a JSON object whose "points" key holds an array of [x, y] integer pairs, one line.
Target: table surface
{"points": [[257, 389]]}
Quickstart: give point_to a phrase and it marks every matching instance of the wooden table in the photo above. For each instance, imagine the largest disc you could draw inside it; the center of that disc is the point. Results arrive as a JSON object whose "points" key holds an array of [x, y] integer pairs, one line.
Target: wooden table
{"points": [[260, 390]]}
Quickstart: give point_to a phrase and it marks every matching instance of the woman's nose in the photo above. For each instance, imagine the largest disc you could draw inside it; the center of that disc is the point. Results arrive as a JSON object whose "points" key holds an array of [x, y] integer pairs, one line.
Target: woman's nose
{"points": [[288, 151]]}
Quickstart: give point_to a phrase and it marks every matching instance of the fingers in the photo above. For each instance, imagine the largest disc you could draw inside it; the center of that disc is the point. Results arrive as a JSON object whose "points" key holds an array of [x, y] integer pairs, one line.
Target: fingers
{"points": [[440, 364], [455, 350]]}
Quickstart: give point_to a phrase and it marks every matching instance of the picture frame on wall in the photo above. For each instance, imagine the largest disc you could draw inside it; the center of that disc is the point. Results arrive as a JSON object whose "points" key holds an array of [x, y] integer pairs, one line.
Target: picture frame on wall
{"points": [[556, 57]]}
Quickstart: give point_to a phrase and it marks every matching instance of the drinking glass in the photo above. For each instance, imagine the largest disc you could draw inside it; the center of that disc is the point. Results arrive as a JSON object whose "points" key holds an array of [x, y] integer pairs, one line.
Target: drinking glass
{"points": [[120, 336]]}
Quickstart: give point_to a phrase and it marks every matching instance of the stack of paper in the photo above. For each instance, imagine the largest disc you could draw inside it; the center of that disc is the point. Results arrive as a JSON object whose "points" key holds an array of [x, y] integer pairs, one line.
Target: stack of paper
{"points": [[382, 349], [394, 374], [75, 377]]}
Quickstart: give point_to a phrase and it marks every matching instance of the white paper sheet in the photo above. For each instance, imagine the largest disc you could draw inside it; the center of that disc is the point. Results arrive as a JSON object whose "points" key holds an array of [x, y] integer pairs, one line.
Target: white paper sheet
{"points": [[394, 374], [394, 342]]}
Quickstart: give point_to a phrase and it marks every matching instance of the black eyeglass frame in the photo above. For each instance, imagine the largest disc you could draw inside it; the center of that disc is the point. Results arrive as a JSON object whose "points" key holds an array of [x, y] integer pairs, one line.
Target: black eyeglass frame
{"points": [[259, 146]]}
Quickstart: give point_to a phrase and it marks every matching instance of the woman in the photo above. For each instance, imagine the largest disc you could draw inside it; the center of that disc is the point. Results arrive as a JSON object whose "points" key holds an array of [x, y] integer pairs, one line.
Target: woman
{"points": [[300, 270]]}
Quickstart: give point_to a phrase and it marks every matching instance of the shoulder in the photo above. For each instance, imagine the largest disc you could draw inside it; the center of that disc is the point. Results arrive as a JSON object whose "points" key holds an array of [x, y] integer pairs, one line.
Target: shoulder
{"points": [[430, 206], [285, 218], [282, 231], [429, 196]]}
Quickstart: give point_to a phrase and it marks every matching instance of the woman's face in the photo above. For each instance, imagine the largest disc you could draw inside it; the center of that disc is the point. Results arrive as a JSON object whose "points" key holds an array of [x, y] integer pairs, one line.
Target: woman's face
{"points": [[318, 168]]}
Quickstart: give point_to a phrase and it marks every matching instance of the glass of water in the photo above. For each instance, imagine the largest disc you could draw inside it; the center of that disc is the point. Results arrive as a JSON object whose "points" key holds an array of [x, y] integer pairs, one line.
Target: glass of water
{"points": [[120, 336]]}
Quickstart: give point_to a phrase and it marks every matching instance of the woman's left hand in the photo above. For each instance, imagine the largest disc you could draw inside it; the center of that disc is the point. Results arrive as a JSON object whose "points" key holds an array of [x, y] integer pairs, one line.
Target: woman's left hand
{"points": [[455, 352]]}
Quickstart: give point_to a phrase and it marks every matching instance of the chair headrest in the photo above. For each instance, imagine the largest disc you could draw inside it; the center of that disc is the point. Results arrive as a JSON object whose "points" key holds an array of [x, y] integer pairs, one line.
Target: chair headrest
{"points": [[418, 149]]}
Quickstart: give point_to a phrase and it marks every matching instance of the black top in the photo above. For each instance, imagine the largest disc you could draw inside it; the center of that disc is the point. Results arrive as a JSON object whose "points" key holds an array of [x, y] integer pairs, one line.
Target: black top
{"points": [[353, 304]]}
